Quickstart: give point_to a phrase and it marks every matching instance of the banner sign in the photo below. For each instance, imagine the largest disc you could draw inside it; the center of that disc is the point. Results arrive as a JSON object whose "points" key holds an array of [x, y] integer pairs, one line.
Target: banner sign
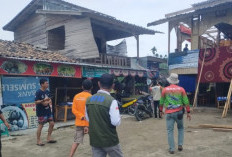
{"points": [[93, 72], [118, 72], [18, 101], [30, 109], [188, 60], [217, 66], [16, 67], [18, 90]]}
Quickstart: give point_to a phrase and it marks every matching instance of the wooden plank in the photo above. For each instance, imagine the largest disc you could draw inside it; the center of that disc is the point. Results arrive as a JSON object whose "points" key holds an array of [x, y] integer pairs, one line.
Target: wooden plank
{"points": [[30, 34], [54, 20], [30, 25], [215, 126], [194, 127], [198, 82], [45, 12], [79, 39], [222, 130], [228, 101]]}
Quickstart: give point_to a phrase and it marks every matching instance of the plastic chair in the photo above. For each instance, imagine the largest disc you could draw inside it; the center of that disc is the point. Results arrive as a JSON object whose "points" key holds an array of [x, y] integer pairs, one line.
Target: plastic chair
{"points": [[4, 129]]}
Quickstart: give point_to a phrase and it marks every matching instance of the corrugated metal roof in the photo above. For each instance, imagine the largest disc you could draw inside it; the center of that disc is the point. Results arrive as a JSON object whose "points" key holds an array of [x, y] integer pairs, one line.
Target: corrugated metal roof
{"points": [[190, 11]]}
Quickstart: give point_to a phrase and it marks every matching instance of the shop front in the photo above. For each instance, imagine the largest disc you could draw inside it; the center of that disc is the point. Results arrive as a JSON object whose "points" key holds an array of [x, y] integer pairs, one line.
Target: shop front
{"points": [[20, 81]]}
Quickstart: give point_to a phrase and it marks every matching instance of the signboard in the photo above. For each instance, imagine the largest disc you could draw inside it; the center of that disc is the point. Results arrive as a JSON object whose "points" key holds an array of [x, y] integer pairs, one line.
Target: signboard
{"points": [[188, 60], [93, 72], [30, 109], [18, 67], [18, 101], [18, 90]]}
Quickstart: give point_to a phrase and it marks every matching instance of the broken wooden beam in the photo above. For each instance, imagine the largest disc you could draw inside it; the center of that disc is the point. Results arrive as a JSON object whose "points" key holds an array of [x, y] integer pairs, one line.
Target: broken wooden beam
{"points": [[215, 126], [222, 130]]}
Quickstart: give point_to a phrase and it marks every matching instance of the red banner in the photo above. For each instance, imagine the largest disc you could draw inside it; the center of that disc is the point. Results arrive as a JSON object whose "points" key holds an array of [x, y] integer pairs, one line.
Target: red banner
{"points": [[18, 67], [217, 66]]}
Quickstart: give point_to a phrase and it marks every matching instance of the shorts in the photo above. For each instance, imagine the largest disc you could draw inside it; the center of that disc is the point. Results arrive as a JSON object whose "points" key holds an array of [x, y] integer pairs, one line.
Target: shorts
{"points": [[45, 119], [79, 134]]}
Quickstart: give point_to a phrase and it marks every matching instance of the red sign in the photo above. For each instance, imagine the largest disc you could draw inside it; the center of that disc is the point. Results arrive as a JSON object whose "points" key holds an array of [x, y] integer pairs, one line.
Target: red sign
{"points": [[17, 67]]}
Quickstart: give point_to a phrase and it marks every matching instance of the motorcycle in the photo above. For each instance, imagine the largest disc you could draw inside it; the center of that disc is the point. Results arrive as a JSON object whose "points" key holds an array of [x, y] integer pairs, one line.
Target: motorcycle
{"points": [[144, 108], [128, 107]]}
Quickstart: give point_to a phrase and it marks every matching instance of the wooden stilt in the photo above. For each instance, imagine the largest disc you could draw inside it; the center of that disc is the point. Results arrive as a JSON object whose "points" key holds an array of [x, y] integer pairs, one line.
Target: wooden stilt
{"points": [[228, 101], [198, 82]]}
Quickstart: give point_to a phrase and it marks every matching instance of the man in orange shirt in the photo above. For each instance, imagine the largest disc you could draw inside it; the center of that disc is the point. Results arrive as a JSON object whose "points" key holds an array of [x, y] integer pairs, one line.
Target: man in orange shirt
{"points": [[78, 109]]}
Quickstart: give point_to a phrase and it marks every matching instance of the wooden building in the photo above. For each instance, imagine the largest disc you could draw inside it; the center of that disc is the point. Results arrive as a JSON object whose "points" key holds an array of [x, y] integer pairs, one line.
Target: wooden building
{"points": [[74, 31]]}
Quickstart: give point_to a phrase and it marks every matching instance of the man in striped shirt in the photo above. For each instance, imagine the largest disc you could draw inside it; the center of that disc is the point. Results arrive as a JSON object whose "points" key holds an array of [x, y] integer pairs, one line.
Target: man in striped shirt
{"points": [[174, 99]]}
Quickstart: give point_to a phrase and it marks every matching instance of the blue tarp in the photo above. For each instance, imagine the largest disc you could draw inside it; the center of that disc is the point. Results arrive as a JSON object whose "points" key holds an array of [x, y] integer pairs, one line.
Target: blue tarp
{"points": [[188, 82]]}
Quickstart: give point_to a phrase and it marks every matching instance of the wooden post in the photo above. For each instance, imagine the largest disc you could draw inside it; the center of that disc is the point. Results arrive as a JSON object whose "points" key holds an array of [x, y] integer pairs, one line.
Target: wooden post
{"points": [[137, 40], [198, 82], [228, 101], [56, 107], [169, 36]]}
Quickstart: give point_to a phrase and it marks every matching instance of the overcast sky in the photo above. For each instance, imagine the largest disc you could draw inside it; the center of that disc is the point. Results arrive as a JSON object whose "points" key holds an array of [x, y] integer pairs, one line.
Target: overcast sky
{"points": [[139, 12]]}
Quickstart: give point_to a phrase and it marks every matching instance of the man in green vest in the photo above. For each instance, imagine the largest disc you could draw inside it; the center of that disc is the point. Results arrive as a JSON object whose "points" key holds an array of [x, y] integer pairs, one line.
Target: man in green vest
{"points": [[103, 115]]}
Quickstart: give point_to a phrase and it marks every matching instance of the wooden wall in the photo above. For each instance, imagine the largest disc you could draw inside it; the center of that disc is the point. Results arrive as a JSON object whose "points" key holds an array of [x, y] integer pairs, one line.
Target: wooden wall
{"points": [[32, 31], [79, 37], [79, 41]]}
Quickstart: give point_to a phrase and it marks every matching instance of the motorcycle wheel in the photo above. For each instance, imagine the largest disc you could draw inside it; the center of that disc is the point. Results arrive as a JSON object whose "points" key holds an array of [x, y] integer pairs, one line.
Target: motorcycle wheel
{"points": [[138, 115], [131, 110]]}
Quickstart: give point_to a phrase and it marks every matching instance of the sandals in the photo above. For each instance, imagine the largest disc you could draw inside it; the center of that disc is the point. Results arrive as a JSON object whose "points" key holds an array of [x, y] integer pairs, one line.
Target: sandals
{"points": [[40, 144], [52, 141]]}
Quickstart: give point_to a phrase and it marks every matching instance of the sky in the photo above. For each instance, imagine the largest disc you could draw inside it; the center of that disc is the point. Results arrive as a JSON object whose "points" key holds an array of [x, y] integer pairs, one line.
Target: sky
{"points": [[139, 12]]}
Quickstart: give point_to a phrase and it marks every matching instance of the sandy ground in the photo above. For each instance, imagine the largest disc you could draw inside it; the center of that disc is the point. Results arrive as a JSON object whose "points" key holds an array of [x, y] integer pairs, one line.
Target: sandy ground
{"points": [[138, 139]]}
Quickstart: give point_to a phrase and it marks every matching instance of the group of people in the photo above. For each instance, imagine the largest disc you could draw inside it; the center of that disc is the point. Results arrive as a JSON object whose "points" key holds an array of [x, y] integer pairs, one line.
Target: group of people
{"points": [[98, 115]]}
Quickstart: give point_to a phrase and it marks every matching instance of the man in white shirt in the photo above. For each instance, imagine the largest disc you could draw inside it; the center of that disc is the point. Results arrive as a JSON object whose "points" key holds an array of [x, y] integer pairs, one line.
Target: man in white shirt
{"points": [[156, 93], [103, 116]]}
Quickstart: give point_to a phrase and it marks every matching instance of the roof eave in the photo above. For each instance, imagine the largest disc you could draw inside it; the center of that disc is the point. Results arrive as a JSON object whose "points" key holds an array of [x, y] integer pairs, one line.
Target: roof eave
{"points": [[10, 26]]}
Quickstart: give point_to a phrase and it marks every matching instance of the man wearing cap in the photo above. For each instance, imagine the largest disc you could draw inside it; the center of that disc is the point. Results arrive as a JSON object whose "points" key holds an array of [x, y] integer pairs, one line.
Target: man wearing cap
{"points": [[103, 115], [174, 99]]}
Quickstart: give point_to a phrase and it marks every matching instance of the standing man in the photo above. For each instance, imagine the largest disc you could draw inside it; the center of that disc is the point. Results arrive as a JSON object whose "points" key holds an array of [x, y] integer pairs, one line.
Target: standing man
{"points": [[156, 93], [44, 111], [103, 115], [186, 48], [174, 99], [7, 125], [78, 109]]}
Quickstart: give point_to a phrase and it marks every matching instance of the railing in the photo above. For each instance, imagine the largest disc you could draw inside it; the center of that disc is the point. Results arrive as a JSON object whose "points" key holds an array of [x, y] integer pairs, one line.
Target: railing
{"points": [[109, 60]]}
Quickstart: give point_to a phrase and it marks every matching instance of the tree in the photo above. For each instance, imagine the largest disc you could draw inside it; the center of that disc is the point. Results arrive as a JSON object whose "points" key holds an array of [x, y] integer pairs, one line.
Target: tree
{"points": [[157, 55], [165, 56], [161, 56], [154, 50]]}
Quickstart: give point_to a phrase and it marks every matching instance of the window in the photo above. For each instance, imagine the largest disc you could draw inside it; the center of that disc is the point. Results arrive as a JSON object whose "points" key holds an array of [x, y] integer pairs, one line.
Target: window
{"points": [[56, 38]]}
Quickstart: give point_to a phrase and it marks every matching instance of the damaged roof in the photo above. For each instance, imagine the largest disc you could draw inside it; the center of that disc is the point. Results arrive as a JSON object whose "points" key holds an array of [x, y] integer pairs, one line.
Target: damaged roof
{"points": [[11, 49]]}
